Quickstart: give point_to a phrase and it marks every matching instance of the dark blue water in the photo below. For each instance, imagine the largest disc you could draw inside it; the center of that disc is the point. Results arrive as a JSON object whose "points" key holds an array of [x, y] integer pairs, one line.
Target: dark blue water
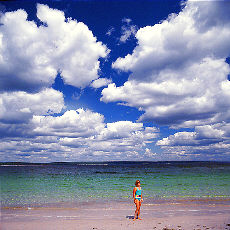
{"points": [[26, 184]]}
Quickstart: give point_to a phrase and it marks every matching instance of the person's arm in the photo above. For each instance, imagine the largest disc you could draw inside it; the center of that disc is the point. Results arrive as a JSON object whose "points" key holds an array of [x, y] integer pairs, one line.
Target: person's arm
{"points": [[141, 197], [134, 191]]}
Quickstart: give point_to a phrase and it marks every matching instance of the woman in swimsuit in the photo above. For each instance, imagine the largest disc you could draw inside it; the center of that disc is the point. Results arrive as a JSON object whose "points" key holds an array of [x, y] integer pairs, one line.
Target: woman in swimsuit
{"points": [[137, 195]]}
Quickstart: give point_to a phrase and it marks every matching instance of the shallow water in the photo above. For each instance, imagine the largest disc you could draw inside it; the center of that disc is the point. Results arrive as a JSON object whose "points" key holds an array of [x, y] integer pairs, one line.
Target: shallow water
{"points": [[39, 184]]}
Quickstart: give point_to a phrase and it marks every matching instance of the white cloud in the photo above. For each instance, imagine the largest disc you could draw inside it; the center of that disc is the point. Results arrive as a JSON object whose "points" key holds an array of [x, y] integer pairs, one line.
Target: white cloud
{"points": [[110, 31], [17, 107], [206, 141], [79, 123], [100, 82], [180, 138], [31, 55], [211, 131], [120, 129], [177, 42], [149, 153], [127, 30], [203, 135], [212, 151], [75, 135], [127, 20], [178, 69]]}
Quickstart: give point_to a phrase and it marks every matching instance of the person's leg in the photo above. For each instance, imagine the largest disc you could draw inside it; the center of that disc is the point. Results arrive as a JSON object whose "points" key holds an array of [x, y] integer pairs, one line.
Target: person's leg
{"points": [[137, 208]]}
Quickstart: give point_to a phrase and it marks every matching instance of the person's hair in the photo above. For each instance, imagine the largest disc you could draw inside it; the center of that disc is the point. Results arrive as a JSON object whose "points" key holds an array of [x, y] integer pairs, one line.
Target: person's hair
{"points": [[137, 181]]}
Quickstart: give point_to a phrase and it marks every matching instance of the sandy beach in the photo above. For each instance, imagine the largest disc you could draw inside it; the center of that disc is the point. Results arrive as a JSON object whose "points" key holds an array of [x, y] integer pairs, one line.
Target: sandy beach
{"points": [[186, 215]]}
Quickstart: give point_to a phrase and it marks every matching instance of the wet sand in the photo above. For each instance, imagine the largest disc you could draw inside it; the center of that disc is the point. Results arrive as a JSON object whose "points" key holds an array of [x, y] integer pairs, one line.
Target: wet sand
{"points": [[109, 215]]}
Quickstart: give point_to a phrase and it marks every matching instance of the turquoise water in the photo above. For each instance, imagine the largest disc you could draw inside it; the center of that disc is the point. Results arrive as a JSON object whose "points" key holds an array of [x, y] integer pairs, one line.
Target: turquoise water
{"points": [[23, 185]]}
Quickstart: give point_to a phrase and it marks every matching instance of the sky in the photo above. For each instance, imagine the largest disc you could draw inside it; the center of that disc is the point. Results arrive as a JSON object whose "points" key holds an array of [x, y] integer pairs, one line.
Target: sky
{"points": [[115, 80]]}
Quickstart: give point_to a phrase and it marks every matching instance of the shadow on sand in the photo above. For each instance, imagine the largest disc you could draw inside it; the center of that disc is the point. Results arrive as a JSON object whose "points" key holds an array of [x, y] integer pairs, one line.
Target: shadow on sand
{"points": [[130, 217]]}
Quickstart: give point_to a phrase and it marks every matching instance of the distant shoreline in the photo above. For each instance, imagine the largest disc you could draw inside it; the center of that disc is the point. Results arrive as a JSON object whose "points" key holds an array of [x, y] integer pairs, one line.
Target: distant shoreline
{"points": [[111, 162]]}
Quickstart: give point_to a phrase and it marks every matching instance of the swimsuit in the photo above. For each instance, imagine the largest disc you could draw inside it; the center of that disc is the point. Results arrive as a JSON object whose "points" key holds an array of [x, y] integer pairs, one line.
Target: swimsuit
{"points": [[138, 194]]}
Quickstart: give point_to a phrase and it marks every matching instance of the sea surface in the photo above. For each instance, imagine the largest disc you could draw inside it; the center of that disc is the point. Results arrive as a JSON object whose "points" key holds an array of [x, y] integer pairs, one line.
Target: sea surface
{"points": [[24, 184]]}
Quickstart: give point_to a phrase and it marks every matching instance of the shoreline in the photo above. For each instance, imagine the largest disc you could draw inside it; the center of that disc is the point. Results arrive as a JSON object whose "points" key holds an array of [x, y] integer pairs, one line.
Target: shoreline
{"points": [[147, 201], [119, 215]]}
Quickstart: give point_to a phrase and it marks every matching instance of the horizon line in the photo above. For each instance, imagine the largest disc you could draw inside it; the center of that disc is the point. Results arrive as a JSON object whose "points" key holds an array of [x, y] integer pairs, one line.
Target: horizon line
{"points": [[111, 161]]}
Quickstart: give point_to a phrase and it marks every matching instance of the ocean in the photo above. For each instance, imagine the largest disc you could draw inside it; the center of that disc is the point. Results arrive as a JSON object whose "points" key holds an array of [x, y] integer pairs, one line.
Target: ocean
{"points": [[24, 184]]}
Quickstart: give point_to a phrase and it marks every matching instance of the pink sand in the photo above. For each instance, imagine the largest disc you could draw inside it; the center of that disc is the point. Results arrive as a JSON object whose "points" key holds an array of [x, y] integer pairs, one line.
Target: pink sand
{"points": [[111, 216]]}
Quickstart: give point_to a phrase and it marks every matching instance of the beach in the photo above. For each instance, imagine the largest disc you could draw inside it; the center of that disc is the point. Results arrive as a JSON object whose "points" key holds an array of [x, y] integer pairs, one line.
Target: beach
{"points": [[203, 214], [177, 195]]}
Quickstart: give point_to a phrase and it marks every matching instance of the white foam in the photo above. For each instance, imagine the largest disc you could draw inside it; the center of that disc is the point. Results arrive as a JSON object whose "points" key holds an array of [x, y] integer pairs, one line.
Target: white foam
{"points": [[92, 164]]}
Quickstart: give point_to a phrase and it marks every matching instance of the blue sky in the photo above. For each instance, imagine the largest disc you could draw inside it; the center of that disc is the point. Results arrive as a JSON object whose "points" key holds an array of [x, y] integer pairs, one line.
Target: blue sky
{"points": [[114, 80]]}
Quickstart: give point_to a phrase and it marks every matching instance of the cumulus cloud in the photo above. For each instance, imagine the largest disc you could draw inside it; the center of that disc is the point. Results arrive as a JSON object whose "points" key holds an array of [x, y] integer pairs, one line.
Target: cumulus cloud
{"points": [[32, 55], [178, 41], [208, 139], [179, 76], [202, 135], [100, 82], [76, 135], [149, 153], [17, 110], [30, 126], [211, 151], [19, 107], [179, 102], [120, 129], [79, 123], [180, 138]]}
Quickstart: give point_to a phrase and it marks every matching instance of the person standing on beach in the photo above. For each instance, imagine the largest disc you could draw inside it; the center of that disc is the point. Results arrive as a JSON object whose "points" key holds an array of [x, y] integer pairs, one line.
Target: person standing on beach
{"points": [[137, 195]]}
